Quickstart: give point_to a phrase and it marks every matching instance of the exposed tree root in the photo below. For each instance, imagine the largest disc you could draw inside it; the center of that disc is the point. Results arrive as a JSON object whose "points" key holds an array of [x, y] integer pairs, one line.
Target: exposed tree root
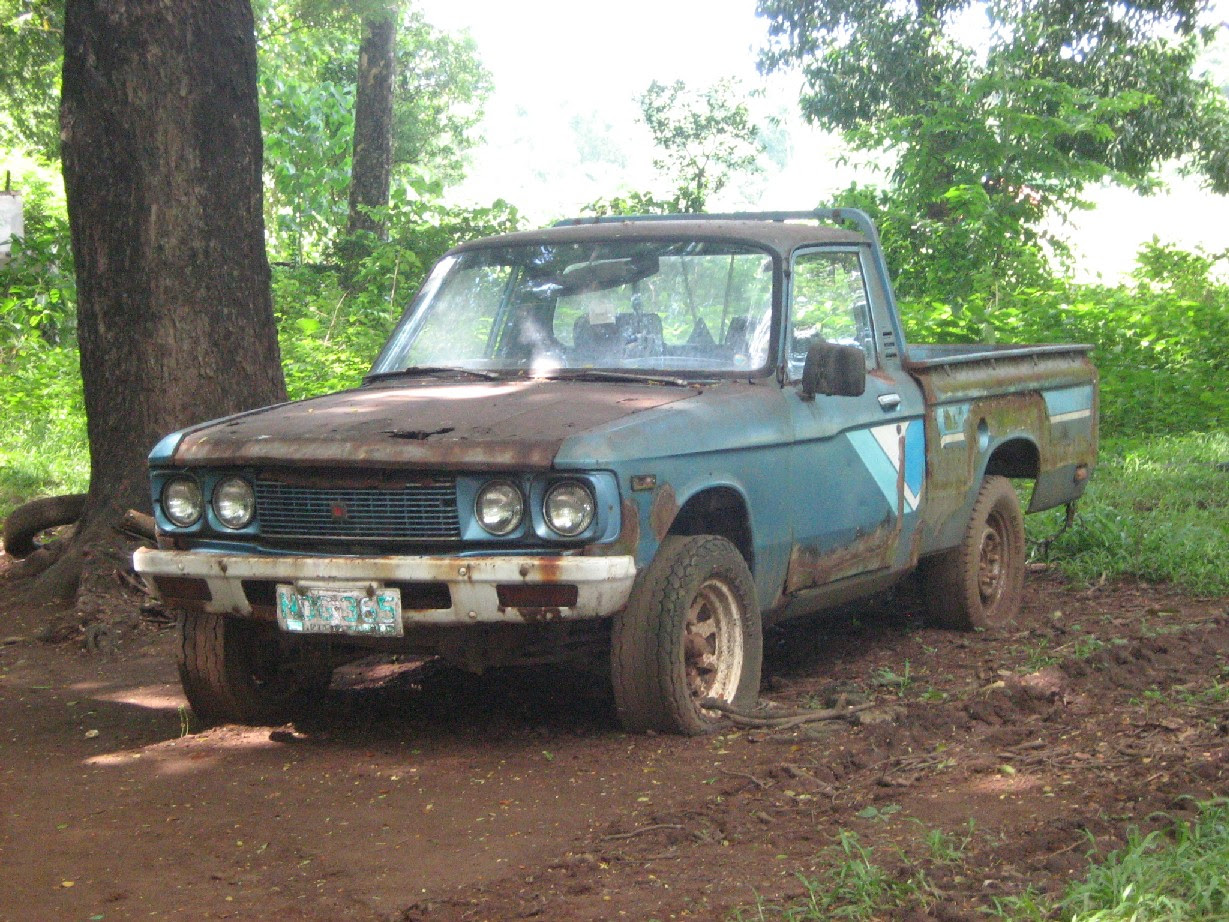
{"points": [[25, 522], [89, 568], [38, 561], [794, 717], [643, 829]]}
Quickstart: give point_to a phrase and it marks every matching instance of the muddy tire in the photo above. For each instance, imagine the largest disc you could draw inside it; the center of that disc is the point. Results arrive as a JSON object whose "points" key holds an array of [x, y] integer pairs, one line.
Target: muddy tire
{"points": [[691, 630], [978, 584], [234, 670]]}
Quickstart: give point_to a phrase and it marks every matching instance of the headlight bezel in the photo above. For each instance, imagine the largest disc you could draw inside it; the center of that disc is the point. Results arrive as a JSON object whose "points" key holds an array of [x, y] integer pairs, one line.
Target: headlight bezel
{"points": [[588, 503], [515, 522], [166, 502], [220, 488]]}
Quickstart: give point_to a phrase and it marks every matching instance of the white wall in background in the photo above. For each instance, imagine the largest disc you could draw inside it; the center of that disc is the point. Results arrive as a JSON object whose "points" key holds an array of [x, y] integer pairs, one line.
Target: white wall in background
{"points": [[10, 221]]}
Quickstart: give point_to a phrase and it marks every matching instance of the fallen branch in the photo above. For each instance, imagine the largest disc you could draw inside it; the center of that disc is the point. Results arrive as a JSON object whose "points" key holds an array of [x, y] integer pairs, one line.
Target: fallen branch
{"points": [[750, 777], [759, 720], [642, 830], [139, 525]]}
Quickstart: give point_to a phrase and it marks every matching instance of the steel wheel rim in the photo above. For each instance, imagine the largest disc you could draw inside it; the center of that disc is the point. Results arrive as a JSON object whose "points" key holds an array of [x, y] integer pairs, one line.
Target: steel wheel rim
{"points": [[992, 560], [713, 642]]}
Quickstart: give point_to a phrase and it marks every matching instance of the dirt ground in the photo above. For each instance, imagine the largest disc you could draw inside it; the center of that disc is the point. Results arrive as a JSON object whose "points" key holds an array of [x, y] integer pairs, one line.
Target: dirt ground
{"points": [[415, 793]]}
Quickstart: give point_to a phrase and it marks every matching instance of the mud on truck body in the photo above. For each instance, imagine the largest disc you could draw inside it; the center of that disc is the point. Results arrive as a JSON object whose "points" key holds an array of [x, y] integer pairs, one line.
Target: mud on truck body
{"points": [[635, 441]]}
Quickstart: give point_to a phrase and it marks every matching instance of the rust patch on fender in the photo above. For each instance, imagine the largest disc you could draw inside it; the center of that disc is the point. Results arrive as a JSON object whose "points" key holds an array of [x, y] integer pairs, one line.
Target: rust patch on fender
{"points": [[915, 547], [629, 536], [665, 507], [809, 567]]}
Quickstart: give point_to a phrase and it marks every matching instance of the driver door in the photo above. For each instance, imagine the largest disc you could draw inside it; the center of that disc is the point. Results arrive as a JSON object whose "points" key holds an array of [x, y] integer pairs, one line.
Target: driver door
{"points": [[856, 465]]}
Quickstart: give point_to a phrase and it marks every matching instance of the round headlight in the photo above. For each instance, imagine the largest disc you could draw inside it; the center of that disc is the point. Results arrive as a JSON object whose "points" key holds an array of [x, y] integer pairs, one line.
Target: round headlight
{"points": [[234, 503], [569, 508], [499, 508], [181, 501]]}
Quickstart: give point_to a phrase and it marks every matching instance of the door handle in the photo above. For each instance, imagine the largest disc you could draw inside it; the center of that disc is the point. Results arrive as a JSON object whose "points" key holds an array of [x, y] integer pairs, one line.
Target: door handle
{"points": [[889, 401]]}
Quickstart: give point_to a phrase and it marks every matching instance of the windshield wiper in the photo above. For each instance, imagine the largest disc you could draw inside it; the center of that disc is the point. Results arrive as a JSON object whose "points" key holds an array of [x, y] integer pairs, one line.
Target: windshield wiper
{"points": [[600, 374], [423, 371]]}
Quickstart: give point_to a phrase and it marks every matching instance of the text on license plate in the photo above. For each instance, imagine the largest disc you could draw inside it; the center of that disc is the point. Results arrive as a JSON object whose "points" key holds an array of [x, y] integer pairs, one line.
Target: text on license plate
{"points": [[340, 611]]}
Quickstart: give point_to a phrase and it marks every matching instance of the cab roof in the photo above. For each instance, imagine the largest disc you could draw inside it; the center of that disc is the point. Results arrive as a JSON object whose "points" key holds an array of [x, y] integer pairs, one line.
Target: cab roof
{"points": [[781, 237]]}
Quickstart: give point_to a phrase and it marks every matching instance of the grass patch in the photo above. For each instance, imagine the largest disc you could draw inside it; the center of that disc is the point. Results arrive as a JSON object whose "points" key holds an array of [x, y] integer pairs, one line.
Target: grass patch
{"points": [[853, 886], [43, 444], [1157, 509], [1178, 874]]}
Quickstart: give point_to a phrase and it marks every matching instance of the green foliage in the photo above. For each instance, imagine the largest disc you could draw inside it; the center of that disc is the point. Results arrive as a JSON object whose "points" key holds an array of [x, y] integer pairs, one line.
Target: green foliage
{"points": [[42, 441], [704, 136], [963, 248], [1172, 875], [1159, 341], [43, 446], [332, 320], [984, 142], [852, 886], [899, 682], [1158, 509], [439, 91], [307, 121], [31, 34], [633, 203], [1175, 874], [308, 65], [38, 285]]}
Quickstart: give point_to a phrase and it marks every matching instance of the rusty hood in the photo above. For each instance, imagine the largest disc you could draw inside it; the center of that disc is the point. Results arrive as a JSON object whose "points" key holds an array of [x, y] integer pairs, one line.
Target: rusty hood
{"points": [[498, 425]]}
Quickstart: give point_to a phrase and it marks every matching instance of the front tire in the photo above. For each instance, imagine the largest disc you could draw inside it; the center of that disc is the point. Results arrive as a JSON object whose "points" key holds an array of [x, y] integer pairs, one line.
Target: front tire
{"points": [[979, 583], [691, 630], [234, 670]]}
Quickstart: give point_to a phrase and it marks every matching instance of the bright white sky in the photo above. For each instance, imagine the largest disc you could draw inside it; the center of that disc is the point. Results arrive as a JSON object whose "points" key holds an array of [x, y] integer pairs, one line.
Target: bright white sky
{"points": [[557, 60]]}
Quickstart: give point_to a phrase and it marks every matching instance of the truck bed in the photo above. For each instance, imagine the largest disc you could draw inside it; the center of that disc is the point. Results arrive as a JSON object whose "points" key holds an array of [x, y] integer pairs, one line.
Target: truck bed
{"points": [[1032, 409], [930, 356]]}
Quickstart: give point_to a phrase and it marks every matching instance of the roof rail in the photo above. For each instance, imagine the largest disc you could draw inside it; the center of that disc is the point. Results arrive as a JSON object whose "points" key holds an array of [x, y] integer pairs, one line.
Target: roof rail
{"points": [[834, 215]]}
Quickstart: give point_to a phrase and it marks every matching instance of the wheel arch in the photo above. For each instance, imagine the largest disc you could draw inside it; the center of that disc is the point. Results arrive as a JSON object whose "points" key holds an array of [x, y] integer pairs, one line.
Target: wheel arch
{"points": [[1016, 457], [718, 510]]}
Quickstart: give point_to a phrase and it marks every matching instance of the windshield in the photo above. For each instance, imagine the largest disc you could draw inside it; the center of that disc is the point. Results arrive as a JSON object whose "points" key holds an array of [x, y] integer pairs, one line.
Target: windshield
{"points": [[674, 306]]}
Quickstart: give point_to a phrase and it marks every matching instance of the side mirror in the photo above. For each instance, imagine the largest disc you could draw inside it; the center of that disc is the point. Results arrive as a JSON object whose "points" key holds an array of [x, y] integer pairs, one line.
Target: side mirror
{"points": [[834, 370]]}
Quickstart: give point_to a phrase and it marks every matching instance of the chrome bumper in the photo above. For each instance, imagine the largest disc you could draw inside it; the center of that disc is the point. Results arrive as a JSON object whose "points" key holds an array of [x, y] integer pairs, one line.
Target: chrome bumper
{"points": [[603, 583]]}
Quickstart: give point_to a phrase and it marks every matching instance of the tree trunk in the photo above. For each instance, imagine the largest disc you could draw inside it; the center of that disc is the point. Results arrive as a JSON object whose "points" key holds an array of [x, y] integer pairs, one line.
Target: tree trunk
{"points": [[162, 169], [371, 167]]}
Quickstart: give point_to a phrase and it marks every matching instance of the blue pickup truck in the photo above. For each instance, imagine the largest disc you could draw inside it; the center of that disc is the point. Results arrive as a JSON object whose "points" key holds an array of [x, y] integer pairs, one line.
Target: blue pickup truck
{"points": [[635, 441]]}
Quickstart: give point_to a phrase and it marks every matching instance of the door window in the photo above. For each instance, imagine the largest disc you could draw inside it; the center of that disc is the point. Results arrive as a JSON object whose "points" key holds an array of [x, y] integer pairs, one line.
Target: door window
{"points": [[829, 303]]}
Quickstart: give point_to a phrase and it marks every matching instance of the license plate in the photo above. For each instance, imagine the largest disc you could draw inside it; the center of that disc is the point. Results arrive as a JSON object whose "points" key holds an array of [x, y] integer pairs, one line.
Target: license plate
{"points": [[356, 611]]}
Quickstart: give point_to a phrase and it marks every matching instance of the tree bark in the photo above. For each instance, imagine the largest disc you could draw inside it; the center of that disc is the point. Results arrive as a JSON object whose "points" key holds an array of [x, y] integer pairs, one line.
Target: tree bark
{"points": [[162, 169], [371, 166]]}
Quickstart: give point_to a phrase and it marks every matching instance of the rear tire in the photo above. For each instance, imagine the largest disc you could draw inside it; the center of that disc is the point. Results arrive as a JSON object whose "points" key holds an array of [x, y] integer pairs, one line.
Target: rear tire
{"points": [[691, 630], [979, 583], [234, 670]]}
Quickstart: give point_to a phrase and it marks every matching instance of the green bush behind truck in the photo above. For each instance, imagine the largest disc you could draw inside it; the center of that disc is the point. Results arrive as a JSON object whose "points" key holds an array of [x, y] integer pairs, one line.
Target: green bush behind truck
{"points": [[636, 439]]}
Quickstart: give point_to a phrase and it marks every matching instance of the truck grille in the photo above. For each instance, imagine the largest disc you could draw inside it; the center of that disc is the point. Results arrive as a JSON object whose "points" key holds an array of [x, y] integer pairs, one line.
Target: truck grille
{"points": [[413, 512]]}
